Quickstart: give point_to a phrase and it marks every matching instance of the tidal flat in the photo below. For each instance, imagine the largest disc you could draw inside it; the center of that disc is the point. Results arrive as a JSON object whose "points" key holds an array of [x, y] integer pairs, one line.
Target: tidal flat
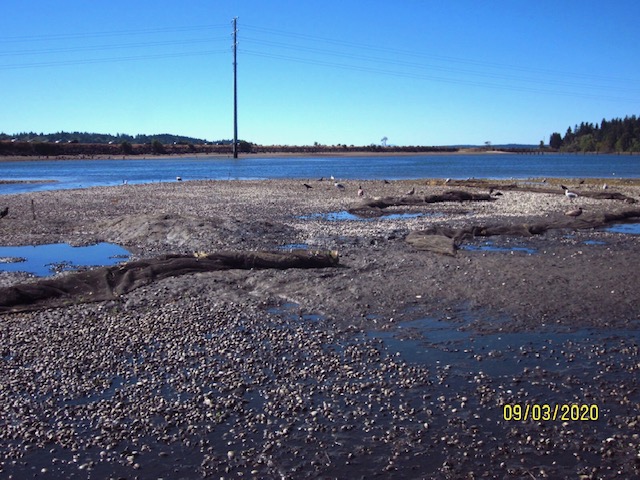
{"points": [[394, 363]]}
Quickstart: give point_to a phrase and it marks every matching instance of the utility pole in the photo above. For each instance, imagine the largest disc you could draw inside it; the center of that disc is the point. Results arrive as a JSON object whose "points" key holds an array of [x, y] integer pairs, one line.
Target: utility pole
{"points": [[235, 87]]}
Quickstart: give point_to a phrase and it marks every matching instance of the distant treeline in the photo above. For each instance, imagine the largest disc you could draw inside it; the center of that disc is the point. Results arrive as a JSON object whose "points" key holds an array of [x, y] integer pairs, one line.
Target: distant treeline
{"points": [[88, 145], [617, 135], [99, 138], [89, 150]]}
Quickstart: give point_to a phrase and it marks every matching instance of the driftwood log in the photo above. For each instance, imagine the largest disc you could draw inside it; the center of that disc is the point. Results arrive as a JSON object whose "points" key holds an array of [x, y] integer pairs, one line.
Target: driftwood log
{"points": [[374, 207], [599, 195], [445, 240], [107, 283]]}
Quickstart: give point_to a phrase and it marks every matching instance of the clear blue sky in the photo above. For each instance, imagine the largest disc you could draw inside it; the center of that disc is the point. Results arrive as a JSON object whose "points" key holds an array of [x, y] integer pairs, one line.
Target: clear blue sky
{"points": [[333, 72]]}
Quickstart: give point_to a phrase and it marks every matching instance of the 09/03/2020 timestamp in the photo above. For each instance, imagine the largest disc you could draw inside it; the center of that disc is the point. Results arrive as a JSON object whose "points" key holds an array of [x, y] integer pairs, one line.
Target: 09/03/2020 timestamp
{"points": [[563, 412]]}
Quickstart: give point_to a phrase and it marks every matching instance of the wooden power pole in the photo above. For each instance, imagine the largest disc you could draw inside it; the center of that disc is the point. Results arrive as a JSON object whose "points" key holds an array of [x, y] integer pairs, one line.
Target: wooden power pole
{"points": [[235, 87]]}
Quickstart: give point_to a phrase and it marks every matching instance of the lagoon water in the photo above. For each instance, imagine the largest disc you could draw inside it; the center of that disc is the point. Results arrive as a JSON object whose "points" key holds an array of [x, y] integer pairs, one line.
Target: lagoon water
{"points": [[67, 174]]}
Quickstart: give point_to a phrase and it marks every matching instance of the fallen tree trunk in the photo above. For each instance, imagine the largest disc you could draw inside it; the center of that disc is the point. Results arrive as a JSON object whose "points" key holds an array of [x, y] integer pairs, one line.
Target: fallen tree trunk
{"points": [[374, 207], [514, 187], [107, 283], [446, 240]]}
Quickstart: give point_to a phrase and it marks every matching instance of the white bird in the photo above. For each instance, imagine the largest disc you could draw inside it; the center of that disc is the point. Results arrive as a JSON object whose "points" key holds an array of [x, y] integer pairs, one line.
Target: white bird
{"points": [[179, 179], [360, 191], [569, 194], [339, 186], [605, 186]]}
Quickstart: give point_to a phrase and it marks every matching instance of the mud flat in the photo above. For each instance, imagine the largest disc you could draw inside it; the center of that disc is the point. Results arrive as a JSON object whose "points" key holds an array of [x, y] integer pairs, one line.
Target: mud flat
{"points": [[397, 362]]}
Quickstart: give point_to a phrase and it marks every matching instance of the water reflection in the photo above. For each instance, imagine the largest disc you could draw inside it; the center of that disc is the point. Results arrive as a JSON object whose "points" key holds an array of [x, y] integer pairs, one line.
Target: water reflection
{"points": [[45, 260]]}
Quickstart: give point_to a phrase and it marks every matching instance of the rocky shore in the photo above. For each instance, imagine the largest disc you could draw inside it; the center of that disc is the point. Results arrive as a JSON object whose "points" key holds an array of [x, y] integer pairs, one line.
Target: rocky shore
{"points": [[398, 362]]}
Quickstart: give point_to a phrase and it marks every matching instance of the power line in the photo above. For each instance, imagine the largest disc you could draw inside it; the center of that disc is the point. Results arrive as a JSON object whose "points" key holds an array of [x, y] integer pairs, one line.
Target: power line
{"points": [[96, 48], [116, 33], [396, 73], [342, 44], [63, 63], [422, 66]]}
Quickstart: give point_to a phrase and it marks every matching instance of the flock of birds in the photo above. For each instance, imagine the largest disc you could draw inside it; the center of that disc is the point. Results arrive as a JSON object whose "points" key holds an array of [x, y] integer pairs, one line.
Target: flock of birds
{"points": [[568, 193], [341, 186]]}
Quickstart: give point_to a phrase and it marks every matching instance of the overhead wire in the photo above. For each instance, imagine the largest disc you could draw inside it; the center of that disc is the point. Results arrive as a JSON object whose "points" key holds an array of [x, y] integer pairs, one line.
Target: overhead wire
{"points": [[128, 33], [396, 73], [88, 61], [95, 48], [416, 65], [69, 51], [320, 51], [419, 54]]}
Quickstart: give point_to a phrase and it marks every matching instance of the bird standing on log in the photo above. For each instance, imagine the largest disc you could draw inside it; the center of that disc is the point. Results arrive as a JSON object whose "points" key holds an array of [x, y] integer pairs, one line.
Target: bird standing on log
{"points": [[569, 194]]}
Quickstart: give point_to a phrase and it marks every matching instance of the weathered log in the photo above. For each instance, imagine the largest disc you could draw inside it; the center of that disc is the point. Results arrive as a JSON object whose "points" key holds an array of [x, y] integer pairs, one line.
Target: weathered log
{"points": [[457, 235], [107, 283], [436, 243], [373, 207], [514, 187]]}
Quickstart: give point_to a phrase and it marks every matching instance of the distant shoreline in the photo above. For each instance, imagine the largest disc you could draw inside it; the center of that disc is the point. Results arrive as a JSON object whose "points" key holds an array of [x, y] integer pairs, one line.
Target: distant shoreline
{"points": [[355, 154]]}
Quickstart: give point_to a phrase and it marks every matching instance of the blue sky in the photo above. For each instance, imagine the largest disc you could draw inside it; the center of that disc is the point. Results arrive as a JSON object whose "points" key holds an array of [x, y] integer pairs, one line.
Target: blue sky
{"points": [[332, 72]]}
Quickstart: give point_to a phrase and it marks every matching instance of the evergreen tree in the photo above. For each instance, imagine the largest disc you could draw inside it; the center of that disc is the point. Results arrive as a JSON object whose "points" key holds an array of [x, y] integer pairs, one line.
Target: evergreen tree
{"points": [[555, 141]]}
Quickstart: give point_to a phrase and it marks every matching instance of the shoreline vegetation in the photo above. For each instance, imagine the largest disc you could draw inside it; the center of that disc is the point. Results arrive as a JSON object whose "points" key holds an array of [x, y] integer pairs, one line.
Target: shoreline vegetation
{"points": [[18, 150], [25, 151]]}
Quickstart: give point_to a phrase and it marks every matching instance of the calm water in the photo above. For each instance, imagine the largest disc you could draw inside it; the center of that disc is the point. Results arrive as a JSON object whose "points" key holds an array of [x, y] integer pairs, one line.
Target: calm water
{"points": [[45, 260], [88, 173]]}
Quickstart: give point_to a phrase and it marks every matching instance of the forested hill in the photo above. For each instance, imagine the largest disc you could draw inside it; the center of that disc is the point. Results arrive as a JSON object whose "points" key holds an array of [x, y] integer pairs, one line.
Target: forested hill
{"points": [[98, 138], [609, 136]]}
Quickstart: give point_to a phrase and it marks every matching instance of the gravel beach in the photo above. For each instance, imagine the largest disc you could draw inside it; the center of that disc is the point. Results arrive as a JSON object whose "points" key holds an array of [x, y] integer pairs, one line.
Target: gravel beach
{"points": [[397, 363]]}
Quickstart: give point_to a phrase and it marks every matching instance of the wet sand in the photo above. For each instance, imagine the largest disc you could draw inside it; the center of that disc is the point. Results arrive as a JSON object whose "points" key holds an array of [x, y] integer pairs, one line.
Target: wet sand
{"points": [[399, 362]]}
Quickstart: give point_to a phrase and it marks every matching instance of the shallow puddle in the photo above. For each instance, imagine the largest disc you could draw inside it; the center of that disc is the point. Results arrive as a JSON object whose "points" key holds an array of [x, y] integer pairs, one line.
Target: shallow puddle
{"points": [[291, 310], [489, 246], [443, 344], [294, 246], [629, 228], [45, 260], [347, 216]]}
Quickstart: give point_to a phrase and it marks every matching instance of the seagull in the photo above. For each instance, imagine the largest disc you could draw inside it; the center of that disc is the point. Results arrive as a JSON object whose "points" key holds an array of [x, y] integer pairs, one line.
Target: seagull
{"points": [[605, 186], [179, 179], [574, 213], [307, 185], [331, 177], [569, 194], [4, 212], [360, 191], [412, 191], [339, 186]]}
